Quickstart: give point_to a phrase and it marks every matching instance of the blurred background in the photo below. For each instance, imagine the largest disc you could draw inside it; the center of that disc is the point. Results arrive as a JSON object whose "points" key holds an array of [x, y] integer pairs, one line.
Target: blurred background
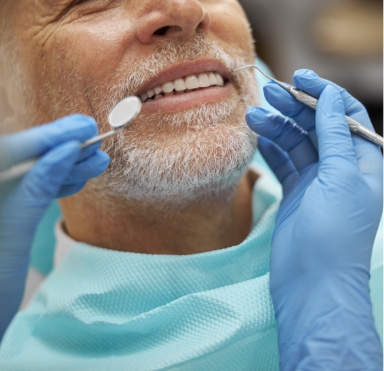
{"points": [[341, 40]]}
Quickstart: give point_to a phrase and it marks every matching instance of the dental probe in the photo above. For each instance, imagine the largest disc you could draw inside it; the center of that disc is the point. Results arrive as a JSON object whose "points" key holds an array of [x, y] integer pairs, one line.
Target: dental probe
{"points": [[122, 115], [312, 102]]}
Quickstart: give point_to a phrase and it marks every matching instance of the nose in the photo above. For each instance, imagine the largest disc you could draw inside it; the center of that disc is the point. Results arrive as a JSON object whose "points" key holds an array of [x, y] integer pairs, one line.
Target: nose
{"points": [[172, 18]]}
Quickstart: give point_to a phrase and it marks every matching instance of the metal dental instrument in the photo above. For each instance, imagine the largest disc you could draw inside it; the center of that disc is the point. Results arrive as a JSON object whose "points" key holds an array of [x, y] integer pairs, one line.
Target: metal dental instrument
{"points": [[311, 102], [122, 115]]}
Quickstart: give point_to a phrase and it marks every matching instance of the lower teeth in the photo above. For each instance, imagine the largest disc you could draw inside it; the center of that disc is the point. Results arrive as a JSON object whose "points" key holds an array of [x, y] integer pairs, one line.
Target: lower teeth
{"points": [[160, 96]]}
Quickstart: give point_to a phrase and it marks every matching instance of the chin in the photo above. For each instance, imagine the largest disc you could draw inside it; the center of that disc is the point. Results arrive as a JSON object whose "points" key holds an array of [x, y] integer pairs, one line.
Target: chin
{"points": [[203, 162]]}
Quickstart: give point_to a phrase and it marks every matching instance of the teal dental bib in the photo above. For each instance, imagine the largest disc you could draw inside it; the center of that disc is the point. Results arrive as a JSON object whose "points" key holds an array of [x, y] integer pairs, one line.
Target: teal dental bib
{"points": [[109, 310]]}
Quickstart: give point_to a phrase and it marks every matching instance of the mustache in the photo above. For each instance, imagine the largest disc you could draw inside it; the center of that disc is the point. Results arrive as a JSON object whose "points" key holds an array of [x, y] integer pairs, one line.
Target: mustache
{"points": [[170, 52]]}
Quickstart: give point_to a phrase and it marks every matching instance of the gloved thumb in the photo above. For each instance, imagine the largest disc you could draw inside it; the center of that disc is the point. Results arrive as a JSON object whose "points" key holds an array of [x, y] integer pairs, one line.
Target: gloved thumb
{"points": [[334, 137], [29, 200], [23, 209], [44, 181]]}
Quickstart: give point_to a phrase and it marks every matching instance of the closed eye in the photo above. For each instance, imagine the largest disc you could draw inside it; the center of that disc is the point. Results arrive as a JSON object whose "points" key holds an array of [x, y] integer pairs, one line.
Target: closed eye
{"points": [[89, 6]]}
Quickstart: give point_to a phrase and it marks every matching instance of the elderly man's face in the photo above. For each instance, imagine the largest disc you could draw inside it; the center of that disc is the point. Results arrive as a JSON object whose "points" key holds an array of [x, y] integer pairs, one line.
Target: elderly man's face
{"points": [[85, 55]]}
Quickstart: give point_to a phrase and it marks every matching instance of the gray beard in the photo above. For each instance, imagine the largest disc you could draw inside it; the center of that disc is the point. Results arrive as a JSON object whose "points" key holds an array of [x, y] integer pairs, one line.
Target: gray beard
{"points": [[199, 163], [208, 150]]}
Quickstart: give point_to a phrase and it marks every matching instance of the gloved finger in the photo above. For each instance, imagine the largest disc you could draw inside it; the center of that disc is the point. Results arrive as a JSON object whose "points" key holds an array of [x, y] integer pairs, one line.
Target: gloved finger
{"points": [[279, 162], [290, 137], [70, 189], [367, 153], [304, 116], [336, 152], [42, 183], [38, 140], [90, 168], [314, 85]]}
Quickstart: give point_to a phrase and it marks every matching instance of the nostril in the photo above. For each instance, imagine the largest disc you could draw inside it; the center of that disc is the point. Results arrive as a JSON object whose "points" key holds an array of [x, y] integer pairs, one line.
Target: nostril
{"points": [[162, 31]]}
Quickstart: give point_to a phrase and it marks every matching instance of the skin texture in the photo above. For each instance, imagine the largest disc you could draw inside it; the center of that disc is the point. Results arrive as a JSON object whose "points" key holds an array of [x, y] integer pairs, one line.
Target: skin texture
{"points": [[69, 52]]}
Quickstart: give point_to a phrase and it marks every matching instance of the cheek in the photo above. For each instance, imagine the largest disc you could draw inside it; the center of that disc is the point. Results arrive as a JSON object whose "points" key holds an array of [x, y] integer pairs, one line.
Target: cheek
{"points": [[62, 71], [98, 47], [230, 24]]}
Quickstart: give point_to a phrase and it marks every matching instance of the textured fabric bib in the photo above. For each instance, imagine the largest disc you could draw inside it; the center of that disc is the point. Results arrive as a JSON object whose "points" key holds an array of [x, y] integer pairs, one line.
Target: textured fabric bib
{"points": [[109, 310]]}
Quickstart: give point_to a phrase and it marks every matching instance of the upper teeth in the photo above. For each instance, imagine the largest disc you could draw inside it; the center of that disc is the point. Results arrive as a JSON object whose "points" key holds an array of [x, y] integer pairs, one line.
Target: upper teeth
{"points": [[203, 80]]}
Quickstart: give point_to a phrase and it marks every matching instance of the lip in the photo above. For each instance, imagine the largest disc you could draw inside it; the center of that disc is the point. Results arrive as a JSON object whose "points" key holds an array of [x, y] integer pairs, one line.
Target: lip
{"points": [[184, 69]]}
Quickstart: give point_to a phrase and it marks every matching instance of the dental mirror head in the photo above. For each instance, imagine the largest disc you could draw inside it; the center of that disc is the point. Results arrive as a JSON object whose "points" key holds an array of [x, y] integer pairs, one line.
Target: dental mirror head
{"points": [[124, 113]]}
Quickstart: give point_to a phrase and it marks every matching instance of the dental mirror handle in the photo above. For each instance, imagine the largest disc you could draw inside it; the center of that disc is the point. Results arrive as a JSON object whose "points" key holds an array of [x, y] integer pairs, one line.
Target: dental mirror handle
{"points": [[20, 169], [122, 115], [97, 139], [354, 126]]}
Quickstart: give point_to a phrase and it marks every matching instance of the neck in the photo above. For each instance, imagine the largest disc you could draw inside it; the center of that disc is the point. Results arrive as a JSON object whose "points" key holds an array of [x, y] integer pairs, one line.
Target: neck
{"points": [[128, 225]]}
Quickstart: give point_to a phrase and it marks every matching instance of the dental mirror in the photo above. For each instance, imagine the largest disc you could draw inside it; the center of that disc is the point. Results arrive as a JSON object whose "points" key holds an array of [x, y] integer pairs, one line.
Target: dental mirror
{"points": [[122, 115]]}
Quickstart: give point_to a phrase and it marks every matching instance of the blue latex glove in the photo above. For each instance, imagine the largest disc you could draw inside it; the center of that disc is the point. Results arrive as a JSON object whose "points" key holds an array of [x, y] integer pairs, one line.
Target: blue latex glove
{"points": [[325, 228], [62, 171]]}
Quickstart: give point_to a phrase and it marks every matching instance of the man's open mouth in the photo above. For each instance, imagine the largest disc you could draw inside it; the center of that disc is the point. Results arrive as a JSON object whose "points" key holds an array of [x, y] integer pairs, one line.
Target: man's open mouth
{"points": [[183, 85]]}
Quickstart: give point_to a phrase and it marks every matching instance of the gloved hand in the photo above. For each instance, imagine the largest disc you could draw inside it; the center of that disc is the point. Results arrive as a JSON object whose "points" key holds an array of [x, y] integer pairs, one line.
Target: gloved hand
{"points": [[62, 171], [325, 228]]}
